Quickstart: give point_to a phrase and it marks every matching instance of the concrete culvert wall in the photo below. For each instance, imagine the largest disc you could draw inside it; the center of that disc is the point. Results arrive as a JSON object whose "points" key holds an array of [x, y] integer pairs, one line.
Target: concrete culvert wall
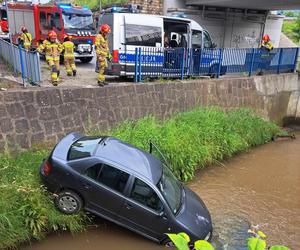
{"points": [[32, 116]]}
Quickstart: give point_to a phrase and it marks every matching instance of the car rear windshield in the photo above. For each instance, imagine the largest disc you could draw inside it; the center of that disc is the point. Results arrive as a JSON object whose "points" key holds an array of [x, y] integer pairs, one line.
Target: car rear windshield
{"points": [[84, 147]]}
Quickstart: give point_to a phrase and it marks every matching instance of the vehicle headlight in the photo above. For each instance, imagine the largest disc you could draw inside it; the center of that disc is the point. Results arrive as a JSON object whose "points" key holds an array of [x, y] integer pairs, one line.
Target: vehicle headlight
{"points": [[78, 32], [86, 33], [90, 33]]}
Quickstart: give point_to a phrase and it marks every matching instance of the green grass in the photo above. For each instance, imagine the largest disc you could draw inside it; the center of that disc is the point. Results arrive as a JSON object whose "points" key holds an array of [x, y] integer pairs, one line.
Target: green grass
{"points": [[292, 29], [26, 209], [190, 140]]}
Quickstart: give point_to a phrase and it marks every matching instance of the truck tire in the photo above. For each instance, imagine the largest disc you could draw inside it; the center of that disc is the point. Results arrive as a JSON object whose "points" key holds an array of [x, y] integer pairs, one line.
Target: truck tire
{"points": [[86, 59]]}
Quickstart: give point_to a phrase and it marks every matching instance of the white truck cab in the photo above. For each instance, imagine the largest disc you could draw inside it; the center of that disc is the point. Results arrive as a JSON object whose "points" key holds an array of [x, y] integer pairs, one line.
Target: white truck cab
{"points": [[131, 31]]}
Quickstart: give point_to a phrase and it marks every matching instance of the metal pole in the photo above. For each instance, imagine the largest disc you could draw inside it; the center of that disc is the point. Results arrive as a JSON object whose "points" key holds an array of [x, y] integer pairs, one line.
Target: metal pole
{"points": [[252, 62], [220, 62], [136, 65], [297, 56], [22, 66], [279, 61], [100, 6]]}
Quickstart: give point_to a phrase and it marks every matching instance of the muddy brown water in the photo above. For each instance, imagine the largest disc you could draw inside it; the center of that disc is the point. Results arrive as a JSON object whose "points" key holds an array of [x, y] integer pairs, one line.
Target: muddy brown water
{"points": [[261, 187]]}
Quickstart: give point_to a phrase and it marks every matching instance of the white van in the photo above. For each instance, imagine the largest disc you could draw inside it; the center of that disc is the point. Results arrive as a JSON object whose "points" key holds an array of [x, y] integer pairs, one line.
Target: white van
{"points": [[131, 31]]}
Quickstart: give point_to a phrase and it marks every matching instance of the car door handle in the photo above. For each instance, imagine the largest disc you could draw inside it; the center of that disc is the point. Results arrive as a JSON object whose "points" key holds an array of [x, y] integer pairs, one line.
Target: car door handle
{"points": [[128, 206]]}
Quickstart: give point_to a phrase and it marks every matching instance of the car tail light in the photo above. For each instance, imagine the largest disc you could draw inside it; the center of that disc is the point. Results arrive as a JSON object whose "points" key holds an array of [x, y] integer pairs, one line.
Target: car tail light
{"points": [[115, 56], [47, 168]]}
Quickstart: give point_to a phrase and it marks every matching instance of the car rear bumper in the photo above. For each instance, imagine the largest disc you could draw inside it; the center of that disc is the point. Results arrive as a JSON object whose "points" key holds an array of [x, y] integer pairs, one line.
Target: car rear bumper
{"points": [[50, 184]]}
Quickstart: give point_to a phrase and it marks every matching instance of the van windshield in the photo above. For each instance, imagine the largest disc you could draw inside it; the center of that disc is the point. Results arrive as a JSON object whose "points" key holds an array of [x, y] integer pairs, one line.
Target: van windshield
{"points": [[171, 189]]}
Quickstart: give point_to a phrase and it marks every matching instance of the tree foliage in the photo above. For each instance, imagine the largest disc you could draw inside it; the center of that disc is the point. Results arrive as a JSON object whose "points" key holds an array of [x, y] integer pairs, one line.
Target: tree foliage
{"points": [[95, 4]]}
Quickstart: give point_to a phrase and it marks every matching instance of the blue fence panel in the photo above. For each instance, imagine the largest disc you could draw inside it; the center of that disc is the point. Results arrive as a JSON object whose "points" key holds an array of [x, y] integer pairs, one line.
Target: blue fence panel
{"points": [[27, 63], [181, 62]]}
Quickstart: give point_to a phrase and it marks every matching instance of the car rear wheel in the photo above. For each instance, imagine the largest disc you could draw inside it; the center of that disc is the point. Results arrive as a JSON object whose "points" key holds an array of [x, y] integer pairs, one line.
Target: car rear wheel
{"points": [[68, 202]]}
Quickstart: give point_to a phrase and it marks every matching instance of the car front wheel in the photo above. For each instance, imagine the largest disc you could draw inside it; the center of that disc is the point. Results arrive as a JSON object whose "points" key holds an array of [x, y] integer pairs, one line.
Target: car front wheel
{"points": [[68, 202]]}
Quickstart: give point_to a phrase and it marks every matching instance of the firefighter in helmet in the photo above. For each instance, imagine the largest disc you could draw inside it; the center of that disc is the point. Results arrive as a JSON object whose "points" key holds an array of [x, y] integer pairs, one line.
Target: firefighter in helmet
{"points": [[52, 48], [69, 58], [25, 39], [102, 51], [266, 43]]}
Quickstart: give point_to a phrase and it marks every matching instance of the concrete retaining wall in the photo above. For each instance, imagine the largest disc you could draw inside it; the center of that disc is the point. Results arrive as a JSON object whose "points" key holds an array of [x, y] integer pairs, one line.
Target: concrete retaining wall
{"points": [[32, 116]]}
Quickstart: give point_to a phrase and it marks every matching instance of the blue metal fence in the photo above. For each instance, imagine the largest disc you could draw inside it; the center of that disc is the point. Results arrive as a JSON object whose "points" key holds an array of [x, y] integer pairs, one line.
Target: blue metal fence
{"points": [[181, 62], [26, 63]]}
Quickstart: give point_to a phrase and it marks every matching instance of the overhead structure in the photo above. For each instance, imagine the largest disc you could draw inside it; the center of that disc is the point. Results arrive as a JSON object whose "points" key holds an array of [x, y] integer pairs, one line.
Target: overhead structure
{"points": [[246, 4]]}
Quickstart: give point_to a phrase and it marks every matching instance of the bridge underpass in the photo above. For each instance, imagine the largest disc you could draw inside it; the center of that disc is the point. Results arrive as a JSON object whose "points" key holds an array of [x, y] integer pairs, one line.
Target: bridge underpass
{"points": [[235, 23]]}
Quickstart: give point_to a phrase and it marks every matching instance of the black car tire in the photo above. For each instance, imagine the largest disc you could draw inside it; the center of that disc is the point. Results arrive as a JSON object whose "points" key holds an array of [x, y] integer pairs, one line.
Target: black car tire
{"points": [[68, 202]]}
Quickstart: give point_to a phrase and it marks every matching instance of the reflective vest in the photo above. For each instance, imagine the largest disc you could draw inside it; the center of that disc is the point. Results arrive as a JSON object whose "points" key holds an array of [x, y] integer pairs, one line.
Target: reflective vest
{"points": [[52, 50], [26, 38], [267, 45], [102, 48], [68, 48]]}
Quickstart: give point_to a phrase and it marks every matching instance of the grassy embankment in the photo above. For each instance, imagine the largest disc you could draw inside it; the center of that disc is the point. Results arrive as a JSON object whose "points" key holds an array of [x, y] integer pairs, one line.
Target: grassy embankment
{"points": [[292, 29], [190, 140]]}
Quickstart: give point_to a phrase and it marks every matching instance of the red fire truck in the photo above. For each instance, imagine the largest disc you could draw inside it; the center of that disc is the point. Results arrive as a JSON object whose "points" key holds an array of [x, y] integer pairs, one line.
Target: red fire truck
{"points": [[64, 19], [3, 23]]}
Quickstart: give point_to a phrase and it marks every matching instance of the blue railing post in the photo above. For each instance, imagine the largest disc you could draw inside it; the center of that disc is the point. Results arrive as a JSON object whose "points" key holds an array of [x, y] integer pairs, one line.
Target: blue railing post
{"points": [[200, 61], [136, 65], [182, 64], [220, 62], [140, 64], [279, 61], [252, 62], [22, 66], [296, 59]]}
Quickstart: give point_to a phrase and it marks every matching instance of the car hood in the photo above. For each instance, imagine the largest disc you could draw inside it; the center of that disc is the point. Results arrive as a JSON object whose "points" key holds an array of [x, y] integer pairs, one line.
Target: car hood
{"points": [[194, 216], [62, 148]]}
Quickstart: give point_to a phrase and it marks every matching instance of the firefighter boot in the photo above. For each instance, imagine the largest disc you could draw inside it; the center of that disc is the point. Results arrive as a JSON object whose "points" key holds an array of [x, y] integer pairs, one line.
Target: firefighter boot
{"points": [[74, 72], [54, 76]]}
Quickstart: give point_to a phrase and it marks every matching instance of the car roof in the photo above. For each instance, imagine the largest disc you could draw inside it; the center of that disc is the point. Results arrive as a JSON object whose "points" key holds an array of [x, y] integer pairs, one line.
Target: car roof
{"points": [[130, 159]]}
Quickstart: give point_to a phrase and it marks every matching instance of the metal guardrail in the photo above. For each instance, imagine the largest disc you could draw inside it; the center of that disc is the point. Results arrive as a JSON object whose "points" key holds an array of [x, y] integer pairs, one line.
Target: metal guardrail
{"points": [[26, 63], [181, 62]]}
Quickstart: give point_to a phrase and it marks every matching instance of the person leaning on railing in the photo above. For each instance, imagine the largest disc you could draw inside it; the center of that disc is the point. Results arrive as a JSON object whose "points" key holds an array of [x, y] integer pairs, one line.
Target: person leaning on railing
{"points": [[266, 43], [25, 39]]}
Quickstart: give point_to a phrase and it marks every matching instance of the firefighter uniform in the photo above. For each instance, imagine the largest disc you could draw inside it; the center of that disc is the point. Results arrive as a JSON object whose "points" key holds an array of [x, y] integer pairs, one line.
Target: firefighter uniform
{"points": [[267, 45], [69, 58], [102, 51], [26, 39], [52, 50]]}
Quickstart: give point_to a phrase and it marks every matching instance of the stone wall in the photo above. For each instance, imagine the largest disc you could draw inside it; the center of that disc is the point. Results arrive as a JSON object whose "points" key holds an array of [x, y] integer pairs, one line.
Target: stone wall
{"points": [[31, 116]]}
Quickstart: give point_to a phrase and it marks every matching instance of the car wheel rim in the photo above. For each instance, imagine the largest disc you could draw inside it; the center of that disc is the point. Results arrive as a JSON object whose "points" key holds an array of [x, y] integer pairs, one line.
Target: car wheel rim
{"points": [[68, 203]]}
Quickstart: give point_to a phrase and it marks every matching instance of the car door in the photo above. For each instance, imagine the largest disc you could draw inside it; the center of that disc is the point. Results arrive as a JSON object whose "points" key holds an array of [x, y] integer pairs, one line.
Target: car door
{"points": [[103, 187], [144, 211]]}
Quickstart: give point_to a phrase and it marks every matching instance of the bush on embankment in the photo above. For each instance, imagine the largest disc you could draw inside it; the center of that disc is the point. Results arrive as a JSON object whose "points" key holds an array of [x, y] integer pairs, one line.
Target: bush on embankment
{"points": [[190, 140]]}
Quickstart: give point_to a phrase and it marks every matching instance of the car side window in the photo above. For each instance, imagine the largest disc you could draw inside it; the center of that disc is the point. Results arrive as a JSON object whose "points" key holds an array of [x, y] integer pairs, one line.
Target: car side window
{"points": [[109, 176], [144, 194]]}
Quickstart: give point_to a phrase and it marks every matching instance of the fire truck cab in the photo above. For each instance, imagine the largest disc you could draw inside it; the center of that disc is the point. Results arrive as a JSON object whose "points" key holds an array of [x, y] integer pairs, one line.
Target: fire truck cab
{"points": [[64, 19]]}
